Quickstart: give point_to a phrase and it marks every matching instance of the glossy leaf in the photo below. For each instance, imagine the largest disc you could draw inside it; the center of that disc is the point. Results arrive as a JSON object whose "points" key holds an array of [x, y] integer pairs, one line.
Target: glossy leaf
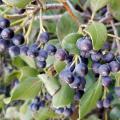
{"points": [[27, 71], [44, 114], [63, 97], [69, 42], [52, 85], [67, 25], [97, 4], [114, 6], [26, 90], [98, 34], [89, 99], [17, 3], [59, 66]]}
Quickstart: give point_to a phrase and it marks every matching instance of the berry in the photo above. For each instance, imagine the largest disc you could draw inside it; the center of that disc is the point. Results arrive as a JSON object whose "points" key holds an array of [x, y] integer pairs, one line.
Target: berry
{"points": [[114, 66], [7, 34], [18, 39], [59, 110], [106, 81], [44, 37], [67, 76], [96, 56], [14, 51], [95, 67], [108, 57], [61, 54], [41, 64], [106, 46], [84, 44], [106, 103], [69, 58], [85, 54], [4, 23], [81, 69], [42, 104], [37, 100], [33, 50], [100, 104], [78, 94], [34, 107], [3, 45], [67, 112], [51, 49], [24, 49], [104, 70], [42, 55], [84, 60]]}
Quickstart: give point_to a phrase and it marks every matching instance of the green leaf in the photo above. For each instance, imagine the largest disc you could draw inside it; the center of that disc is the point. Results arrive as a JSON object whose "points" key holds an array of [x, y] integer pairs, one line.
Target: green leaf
{"points": [[12, 76], [17, 3], [89, 99], [18, 62], [59, 66], [67, 25], [98, 33], [27, 72], [114, 6], [63, 97], [115, 113], [26, 90], [30, 61], [97, 4], [52, 85], [44, 114], [69, 42]]}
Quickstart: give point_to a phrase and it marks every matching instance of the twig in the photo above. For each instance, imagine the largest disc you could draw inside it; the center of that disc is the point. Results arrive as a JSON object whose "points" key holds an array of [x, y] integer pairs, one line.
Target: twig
{"points": [[54, 6], [113, 36]]}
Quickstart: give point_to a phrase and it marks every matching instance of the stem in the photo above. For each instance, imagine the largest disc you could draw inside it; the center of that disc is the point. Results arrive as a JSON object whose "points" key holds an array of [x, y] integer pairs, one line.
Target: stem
{"points": [[106, 116], [17, 22], [116, 33], [113, 36]]}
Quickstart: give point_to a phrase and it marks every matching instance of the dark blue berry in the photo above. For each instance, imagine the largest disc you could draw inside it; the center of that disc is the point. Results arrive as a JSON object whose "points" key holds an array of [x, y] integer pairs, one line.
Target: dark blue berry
{"points": [[81, 69], [69, 58], [61, 54], [7, 33], [3, 45], [84, 44], [41, 64], [85, 54], [95, 67], [51, 49], [114, 66], [4, 23], [59, 111], [14, 51], [34, 107], [108, 57], [78, 94], [104, 70], [42, 55], [44, 37], [24, 49], [42, 104], [18, 39], [106, 103], [67, 76], [106, 81], [100, 104], [84, 60], [67, 112], [96, 56]]}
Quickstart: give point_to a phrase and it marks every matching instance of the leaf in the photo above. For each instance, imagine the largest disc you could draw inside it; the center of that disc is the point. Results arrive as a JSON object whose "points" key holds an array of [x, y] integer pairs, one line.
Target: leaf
{"points": [[27, 71], [90, 98], [67, 25], [98, 34], [69, 42], [63, 97], [52, 85], [115, 113], [26, 90], [17, 3], [18, 62], [97, 4], [59, 66], [12, 76], [30, 61], [114, 6], [44, 114]]}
